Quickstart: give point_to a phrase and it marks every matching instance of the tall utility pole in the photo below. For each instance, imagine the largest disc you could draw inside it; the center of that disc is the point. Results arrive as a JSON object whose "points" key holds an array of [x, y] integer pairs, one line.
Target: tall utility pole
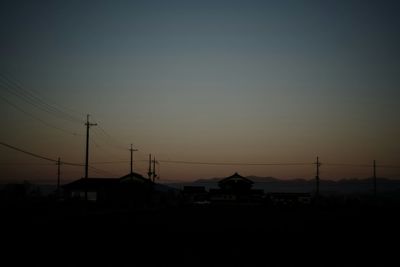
{"points": [[375, 191], [154, 170], [132, 150], [149, 173], [58, 176], [88, 124], [318, 164]]}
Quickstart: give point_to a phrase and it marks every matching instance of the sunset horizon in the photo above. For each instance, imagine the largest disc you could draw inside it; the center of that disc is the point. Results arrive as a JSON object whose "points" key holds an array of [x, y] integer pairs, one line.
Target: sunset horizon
{"points": [[208, 88]]}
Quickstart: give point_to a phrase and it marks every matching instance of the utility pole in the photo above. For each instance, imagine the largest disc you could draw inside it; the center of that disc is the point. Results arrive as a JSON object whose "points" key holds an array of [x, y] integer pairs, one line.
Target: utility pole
{"points": [[318, 164], [375, 191], [88, 124], [132, 150], [149, 173], [154, 170], [58, 176]]}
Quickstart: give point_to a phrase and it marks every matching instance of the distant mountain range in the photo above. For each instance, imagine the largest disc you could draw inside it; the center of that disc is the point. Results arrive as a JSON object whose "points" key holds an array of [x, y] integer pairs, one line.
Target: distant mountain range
{"points": [[271, 184]]}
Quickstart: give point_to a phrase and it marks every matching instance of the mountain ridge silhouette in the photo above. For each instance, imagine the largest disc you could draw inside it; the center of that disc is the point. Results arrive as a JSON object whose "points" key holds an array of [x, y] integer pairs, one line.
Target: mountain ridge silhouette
{"points": [[272, 184]]}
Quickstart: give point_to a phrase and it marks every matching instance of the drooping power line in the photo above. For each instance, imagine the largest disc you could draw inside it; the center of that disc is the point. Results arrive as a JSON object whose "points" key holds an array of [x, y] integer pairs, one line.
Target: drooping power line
{"points": [[231, 163], [27, 152], [50, 159]]}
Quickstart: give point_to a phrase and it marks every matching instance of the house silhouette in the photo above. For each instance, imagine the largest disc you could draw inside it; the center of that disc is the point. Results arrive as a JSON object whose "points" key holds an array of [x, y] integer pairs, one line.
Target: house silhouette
{"points": [[133, 190], [236, 188]]}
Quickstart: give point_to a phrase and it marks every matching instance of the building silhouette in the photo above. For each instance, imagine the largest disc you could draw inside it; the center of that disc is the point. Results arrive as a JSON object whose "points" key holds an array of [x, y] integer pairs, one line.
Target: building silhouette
{"points": [[236, 188], [131, 190]]}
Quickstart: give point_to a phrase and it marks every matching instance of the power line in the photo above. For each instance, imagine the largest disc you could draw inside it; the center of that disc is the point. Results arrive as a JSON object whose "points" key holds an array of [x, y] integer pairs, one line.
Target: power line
{"points": [[231, 163], [199, 163], [272, 164], [347, 165], [26, 152], [25, 98], [387, 166], [111, 162], [109, 139], [106, 151], [101, 171], [24, 164], [50, 159], [183, 162], [102, 147], [38, 156], [38, 119], [360, 165], [17, 90]]}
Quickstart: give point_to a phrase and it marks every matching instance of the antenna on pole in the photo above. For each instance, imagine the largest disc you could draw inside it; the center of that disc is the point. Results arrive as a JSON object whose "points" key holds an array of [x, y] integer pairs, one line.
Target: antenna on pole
{"points": [[318, 164], [88, 124], [374, 177], [132, 150]]}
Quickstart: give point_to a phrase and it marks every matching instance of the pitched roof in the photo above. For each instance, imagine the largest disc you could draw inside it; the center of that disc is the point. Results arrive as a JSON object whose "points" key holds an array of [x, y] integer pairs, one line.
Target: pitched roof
{"points": [[134, 176], [101, 183], [236, 177], [91, 183]]}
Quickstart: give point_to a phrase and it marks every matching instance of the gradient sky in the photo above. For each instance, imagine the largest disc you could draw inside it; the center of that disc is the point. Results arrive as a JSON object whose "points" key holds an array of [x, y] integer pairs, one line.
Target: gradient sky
{"points": [[208, 81]]}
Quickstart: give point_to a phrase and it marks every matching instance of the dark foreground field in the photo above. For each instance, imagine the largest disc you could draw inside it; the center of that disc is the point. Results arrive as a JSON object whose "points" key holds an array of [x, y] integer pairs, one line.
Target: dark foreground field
{"points": [[63, 235]]}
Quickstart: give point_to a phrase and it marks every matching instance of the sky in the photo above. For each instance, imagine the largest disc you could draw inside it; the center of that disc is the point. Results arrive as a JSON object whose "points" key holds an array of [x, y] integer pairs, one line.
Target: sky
{"points": [[200, 81]]}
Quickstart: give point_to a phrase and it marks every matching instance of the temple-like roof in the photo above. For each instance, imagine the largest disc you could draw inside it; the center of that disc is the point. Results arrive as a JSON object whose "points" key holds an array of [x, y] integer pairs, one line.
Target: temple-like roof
{"points": [[134, 177], [236, 177]]}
